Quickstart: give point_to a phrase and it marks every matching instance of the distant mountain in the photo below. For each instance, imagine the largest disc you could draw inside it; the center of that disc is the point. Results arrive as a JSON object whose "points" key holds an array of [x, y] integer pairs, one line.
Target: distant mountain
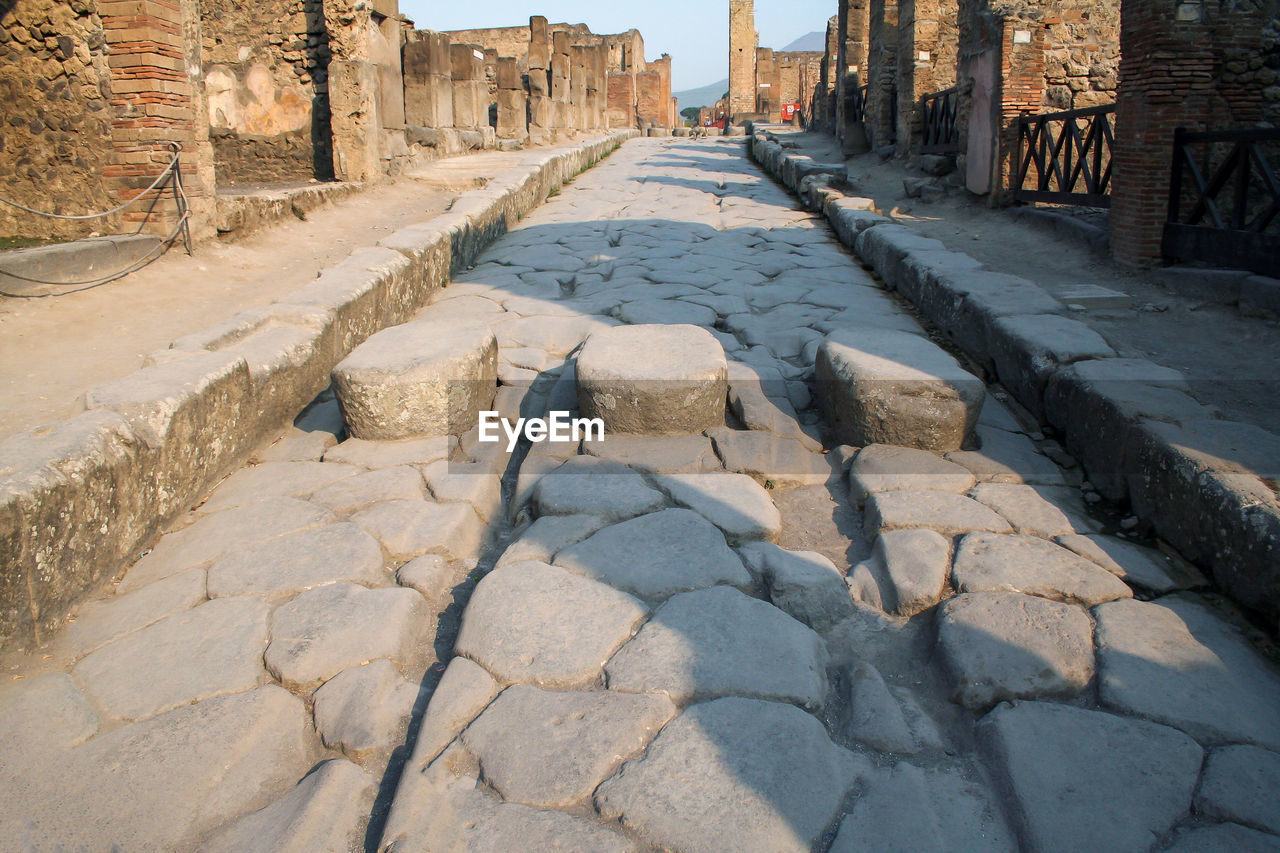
{"points": [[705, 96], [813, 41]]}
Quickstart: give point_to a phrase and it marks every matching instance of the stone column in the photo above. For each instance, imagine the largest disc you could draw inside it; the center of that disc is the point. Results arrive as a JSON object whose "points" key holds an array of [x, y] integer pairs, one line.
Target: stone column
{"points": [[926, 62], [541, 113], [768, 86], [622, 99], [470, 101], [512, 101], [851, 71], [882, 66], [428, 81], [1021, 91], [561, 74], [742, 58], [578, 87]]}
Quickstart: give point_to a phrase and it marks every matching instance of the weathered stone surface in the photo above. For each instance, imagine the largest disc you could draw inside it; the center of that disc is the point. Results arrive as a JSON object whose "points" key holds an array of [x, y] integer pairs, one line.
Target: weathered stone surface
{"points": [[883, 386], [463, 692], [363, 711], [771, 459], [1006, 457], [551, 750], [886, 468], [1134, 564], [1027, 348], [100, 622], [666, 454], [299, 561], [548, 535], [516, 627], [431, 575], [324, 631], [907, 808], [428, 377], [586, 485], [735, 503], [325, 813], [209, 651], [804, 584], [657, 555], [1239, 784], [409, 529], [653, 379], [946, 513], [274, 479], [876, 718], [905, 573], [388, 454], [1176, 662], [720, 642], [1140, 775], [1005, 645], [474, 483], [737, 774], [987, 561], [401, 483], [1223, 837], [39, 716], [1024, 508]]}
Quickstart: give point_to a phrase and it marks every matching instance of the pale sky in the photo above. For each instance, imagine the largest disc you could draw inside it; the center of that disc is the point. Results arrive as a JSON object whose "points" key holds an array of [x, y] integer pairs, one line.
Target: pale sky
{"points": [[694, 32]]}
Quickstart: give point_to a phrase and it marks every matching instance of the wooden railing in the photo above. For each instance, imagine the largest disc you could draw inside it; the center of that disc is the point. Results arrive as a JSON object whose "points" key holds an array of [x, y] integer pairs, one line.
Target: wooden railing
{"points": [[1065, 157], [938, 113]]}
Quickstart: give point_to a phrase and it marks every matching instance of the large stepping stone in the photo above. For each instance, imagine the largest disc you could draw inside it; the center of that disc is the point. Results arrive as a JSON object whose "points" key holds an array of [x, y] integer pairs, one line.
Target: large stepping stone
{"points": [[943, 512], [324, 631], [884, 386], [653, 379], [1176, 662], [720, 642], [298, 562], [1088, 780], [551, 750], [1239, 784], [1005, 645], [585, 485], [658, 555], [425, 378], [988, 561], [733, 774], [539, 624], [735, 503], [885, 468], [209, 651]]}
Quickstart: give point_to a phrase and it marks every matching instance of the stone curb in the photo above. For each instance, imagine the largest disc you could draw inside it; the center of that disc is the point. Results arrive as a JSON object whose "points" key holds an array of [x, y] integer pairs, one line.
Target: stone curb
{"points": [[1135, 430], [67, 263], [80, 499]]}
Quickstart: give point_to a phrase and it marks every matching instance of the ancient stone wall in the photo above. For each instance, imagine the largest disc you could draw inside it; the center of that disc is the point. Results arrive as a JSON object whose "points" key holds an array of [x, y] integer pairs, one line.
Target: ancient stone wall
{"points": [[742, 57], [882, 67], [927, 49]]}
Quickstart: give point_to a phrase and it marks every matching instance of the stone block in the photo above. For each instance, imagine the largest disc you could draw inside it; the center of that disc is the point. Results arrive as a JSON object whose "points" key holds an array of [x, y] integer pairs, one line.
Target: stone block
{"points": [[1027, 349]]}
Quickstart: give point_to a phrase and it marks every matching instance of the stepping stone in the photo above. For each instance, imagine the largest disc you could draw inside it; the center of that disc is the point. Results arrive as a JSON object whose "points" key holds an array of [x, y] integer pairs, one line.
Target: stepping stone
{"points": [[885, 468], [658, 555], [943, 512], [538, 624], [298, 562], [549, 535], [803, 584], [1176, 662], [720, 642], [274, 479], [1134, 564], [1139, 776], [363, 711], [401, 483], [99, 622], [209, 651], [425, 378], [666, 454], [1025, 509], [324, 631], [388, 454], [409, 529], [327, 810], [590, 486], [653, 379], [884, 386], [907, 808], [770, 459], [551, 750], [905, 573], [1005, 645], [733, 774], [988, 561], [735, 503], [1239, 784]]}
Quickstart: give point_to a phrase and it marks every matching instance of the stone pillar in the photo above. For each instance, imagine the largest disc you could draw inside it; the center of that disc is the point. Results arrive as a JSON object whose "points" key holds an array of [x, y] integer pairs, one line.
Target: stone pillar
{"points": [[1021, 92], [365, 84], [512, 101], [622, 99], [742, 58], [561, 74], [597, 86], [541, 114], [662, 67], [768, 86], [578, 87], [470, 92], [882, 65], [651, 104], [854, 25], [926, 62], [428, 81]]}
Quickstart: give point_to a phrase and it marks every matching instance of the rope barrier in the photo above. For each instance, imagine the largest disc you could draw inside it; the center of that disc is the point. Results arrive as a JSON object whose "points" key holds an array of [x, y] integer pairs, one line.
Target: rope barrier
{"points": [[160, 179]]}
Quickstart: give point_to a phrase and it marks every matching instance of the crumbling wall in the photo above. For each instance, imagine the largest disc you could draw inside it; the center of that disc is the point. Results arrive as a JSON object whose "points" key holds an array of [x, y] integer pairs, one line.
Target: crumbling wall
{"points": [[1081, 53]]}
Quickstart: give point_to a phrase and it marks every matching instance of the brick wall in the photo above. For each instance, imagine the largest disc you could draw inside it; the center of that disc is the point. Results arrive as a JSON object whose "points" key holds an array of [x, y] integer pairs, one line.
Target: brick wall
{"points": [[742, 57]]}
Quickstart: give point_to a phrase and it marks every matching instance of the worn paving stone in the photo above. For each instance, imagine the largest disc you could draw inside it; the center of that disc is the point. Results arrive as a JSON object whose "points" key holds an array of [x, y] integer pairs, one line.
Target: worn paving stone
{"points": [[720, 642], [771, 459], [363, 711], [803, 584], [274, 479], [907, 809], [876, 716], [326, 812], [39, 716], [408, 529], [549, 535], [666, 454], [1024, 508], [1239, 784], [298, 446], [464, 691], [735, 503], [1174, 661], [1133, 564], [943, 512], [298, 562], [100, 622], [474, 483], [1006, 457], [431, 575], [401, 483], [733, 773], [586, 485], [887, 468], [1223, 837], [1140, 775], [515, 625], [209, 651], [326, 630], [988, 561], [388, 454], [906, 572], [658, 555], [1004, 645], [551, 750]]}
